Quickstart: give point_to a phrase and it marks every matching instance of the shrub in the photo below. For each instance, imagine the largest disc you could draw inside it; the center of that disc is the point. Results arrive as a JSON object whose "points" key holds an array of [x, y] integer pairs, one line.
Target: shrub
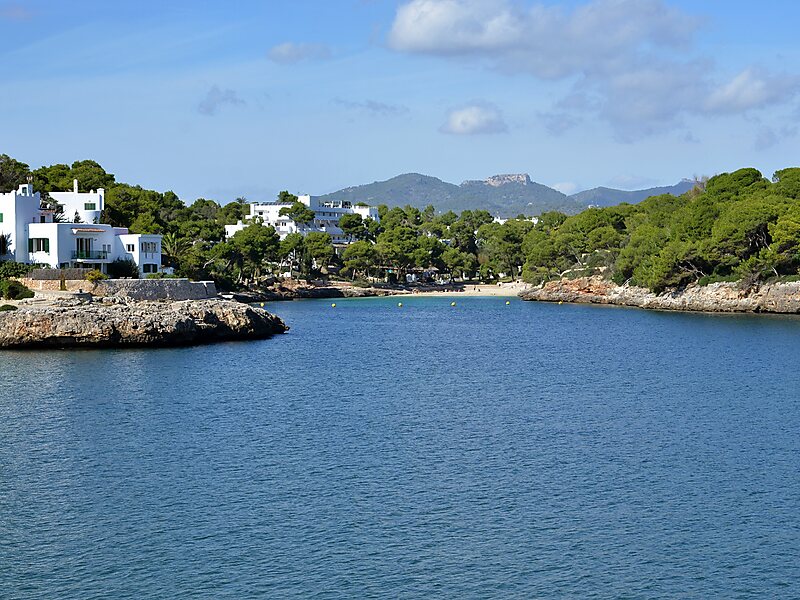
{"points": [[123, 267], [94, 276], [9, 268], [14, 290], [161, 276], [7, 307]]}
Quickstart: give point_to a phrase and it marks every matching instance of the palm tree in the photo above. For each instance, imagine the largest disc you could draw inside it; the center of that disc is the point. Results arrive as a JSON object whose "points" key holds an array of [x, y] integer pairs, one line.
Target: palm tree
{"points": [[173, 248], [5, 244]]}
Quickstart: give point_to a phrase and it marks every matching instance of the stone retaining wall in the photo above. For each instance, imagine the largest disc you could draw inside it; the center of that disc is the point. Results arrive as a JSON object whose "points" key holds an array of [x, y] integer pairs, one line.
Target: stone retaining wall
{"points": [[136, 289]]}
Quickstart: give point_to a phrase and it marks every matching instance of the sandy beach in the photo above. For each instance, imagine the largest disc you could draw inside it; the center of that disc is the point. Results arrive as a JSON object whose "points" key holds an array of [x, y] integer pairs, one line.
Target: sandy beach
{"points": [[506, 290]]}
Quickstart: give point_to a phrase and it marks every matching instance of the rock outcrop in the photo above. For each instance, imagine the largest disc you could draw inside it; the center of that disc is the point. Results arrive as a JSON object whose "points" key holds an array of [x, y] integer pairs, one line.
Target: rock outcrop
{"points": [[135, 324], [289, 289], [716, 297]]}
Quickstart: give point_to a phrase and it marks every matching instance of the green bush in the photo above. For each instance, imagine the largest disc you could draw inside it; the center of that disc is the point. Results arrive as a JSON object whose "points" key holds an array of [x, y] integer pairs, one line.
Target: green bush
{"points": [[7, 307], [161, 276], [123, 267], [14, 290], [94, 276], [9, 268]]}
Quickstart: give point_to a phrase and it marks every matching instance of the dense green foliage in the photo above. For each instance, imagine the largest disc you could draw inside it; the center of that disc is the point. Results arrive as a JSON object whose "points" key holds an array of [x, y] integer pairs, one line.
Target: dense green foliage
{"points": [[123, 268], [733, 226], [741, 226], [14, 290]]}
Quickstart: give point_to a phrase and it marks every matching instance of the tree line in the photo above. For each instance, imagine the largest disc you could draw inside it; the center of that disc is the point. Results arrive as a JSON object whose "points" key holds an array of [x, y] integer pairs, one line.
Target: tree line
{"points": [[734, 226]]}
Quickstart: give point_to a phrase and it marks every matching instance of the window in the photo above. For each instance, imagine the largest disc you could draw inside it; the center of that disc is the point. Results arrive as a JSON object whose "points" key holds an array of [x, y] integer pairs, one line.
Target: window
{"points": [[1, 217], [130, 247], [149, 268], [39, 245], [150, 247], [90, 206]]}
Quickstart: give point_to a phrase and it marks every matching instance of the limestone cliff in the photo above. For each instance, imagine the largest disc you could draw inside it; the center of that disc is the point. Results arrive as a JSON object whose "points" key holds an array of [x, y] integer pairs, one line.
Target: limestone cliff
{"points": [[715, 297]]}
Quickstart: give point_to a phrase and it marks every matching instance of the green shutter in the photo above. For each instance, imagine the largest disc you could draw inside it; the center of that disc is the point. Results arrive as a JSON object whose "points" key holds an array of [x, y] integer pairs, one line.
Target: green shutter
{"points": [[1, 217], [47, 245], [30, 245]]}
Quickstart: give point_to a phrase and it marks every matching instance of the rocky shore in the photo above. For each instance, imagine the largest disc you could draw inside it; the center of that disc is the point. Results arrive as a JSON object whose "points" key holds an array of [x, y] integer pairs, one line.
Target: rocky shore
{"points": [[294, 290], [782, 298], [135, 324]]}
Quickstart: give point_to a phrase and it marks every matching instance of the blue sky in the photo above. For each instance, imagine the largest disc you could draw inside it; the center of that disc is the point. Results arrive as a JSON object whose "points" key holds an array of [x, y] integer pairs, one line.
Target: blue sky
{"points": [[222, 99]]}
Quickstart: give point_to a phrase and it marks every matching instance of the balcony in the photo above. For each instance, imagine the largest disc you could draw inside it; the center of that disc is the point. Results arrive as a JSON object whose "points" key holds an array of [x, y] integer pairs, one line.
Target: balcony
{"points": [[90, 255]]}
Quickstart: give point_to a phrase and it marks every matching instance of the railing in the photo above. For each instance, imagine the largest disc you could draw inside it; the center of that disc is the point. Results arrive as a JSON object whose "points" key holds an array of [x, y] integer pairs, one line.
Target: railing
{"points": [[91, 255]]}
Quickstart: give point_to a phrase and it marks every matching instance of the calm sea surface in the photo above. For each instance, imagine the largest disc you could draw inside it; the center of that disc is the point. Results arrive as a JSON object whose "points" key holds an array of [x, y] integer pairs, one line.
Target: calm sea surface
{"points": [[480, 451]]}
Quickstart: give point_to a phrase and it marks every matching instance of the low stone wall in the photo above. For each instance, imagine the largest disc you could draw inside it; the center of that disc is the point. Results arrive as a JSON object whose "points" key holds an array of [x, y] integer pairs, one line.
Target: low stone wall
{"points": [[135, 289], [781, 298]]}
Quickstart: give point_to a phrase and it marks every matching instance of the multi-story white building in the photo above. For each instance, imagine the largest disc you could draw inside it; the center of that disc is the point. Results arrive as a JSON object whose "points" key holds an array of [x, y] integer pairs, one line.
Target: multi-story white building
{"points": [[87, 206], [31, 236], [326, 217]]}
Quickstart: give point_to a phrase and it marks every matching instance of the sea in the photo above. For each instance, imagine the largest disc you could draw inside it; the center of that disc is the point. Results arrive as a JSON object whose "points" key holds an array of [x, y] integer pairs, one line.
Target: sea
{"points": [[489, 449]]}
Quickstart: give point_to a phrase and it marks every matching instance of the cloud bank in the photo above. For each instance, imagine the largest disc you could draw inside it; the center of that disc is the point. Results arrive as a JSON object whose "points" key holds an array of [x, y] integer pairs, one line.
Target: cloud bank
{"points": [[630, 62]]}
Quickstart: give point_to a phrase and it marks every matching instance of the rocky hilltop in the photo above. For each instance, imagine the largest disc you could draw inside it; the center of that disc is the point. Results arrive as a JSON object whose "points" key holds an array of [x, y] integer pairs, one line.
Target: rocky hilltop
{"points": [[781, 298], [135, 324], [502, 195]]}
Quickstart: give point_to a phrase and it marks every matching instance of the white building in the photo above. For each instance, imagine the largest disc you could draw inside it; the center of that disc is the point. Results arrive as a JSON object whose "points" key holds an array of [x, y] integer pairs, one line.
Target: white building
{"points": [[34, 238], [88, 206], [326, 217]]}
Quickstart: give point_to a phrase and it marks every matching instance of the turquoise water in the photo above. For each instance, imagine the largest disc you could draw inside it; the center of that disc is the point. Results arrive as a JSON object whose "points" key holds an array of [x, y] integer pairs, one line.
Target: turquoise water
{"points": [[481, 451]]}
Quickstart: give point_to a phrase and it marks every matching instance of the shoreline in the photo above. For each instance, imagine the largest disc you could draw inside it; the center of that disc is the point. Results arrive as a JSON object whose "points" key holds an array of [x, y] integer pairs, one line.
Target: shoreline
{"points": [[293, 290], [715, 298], [483, 291]]}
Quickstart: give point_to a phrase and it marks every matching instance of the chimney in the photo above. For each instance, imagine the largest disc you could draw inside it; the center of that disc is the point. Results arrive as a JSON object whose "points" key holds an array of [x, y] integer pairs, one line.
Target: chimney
{"points": [[75, 185]]}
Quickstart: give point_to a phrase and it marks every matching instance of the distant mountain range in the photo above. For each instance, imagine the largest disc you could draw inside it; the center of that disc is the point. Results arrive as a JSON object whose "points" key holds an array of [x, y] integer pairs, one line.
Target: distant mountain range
{"points": [[603, 196], [502, 195]]}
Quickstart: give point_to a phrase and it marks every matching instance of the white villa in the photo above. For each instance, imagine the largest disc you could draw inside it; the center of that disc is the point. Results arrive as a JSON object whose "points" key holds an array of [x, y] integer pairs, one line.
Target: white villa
{"points": [[326, 219], [31, 236]]}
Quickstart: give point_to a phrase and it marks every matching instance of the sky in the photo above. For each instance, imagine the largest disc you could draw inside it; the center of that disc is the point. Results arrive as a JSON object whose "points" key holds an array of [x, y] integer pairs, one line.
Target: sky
{"points": [[227, 99]]}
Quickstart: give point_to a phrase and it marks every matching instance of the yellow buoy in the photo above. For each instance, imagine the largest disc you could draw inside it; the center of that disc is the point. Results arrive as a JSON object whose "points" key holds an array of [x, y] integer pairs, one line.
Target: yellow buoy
{"points": [[508, 302], [333, 305], [560, 302], [452, 304], [400, 304], [262, 305]]}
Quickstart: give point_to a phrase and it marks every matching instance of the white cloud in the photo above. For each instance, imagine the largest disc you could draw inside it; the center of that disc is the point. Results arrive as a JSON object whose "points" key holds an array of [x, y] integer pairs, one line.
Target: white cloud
{"points": [[474, 119], [566, 187], [290, 53], [216, 98], [752, 89], [543, 40], [629, 61]]}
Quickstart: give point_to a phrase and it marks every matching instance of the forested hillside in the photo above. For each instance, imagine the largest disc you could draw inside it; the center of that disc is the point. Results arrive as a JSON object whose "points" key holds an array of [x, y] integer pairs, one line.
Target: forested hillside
{"points": [[738, 226]]}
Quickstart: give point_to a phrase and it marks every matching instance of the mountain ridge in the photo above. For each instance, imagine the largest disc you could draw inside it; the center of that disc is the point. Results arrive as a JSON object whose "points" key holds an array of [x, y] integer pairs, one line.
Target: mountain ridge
{"points": [[505, 195]]}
